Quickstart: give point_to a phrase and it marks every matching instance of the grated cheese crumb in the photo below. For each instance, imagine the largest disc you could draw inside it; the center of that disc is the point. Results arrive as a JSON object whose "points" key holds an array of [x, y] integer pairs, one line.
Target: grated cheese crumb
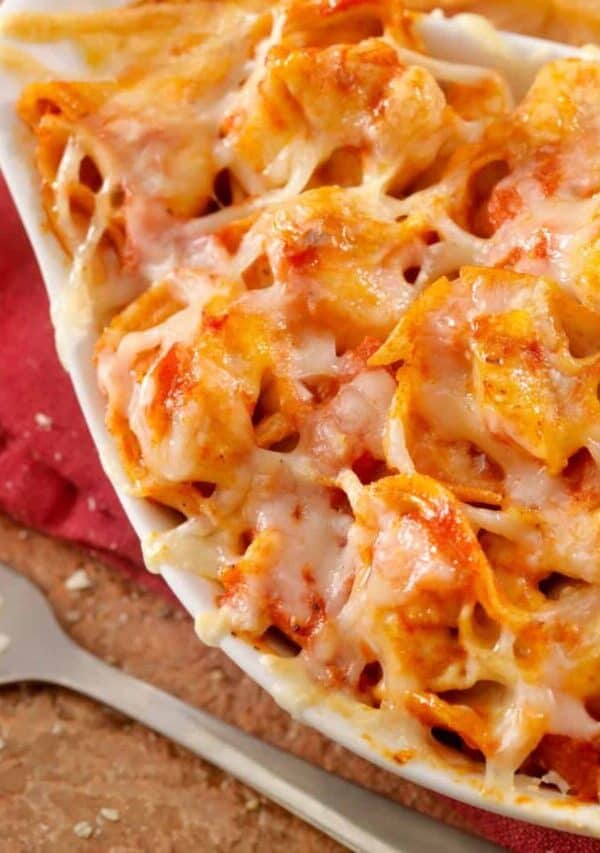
{"points": [[79, 580], [252, 804], [42, 420], [109, 814], [4, 643], [83, 829], [91, 502], [23, 534], [56, 728]]}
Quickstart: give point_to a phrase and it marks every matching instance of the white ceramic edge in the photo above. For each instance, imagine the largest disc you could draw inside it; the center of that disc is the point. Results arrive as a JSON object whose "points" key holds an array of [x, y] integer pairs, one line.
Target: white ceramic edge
{"points": [[196, 594]]}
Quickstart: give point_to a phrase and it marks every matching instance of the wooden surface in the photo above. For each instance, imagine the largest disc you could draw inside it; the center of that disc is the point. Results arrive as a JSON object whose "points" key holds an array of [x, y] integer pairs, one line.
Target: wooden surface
{"points": [[64, 758]]}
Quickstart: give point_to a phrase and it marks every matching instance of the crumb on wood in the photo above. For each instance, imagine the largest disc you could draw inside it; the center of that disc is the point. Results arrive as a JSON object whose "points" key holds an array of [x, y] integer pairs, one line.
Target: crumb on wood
{"points": [[83, 829], [109, 814], [72, 616], [216, 674]]}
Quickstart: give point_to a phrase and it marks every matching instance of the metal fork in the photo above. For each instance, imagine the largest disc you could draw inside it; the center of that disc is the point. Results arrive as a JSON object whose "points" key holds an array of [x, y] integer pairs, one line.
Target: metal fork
{"points": [[363, 821]]}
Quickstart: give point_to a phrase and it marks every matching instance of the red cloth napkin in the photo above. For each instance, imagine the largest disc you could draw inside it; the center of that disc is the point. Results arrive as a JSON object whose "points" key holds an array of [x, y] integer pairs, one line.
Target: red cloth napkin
{"points": [[50, 474], [51, 479]]}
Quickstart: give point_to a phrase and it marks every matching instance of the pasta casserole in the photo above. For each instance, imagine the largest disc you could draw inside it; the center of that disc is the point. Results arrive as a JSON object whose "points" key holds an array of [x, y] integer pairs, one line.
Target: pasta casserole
{"points": [[347, 300]]}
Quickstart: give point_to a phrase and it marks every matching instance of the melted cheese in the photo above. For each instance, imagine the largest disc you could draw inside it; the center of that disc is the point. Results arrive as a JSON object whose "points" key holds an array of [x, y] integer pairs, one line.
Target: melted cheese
{"points": [[396, 471]]}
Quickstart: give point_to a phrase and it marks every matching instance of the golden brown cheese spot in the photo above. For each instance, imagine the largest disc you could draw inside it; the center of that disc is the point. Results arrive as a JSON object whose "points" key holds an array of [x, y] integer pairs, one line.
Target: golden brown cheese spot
{"points": [[540, 215], [349, 265], [516, 375], [474, 100], [326, 22], [343, 97], [511, 366], [420, 564]]}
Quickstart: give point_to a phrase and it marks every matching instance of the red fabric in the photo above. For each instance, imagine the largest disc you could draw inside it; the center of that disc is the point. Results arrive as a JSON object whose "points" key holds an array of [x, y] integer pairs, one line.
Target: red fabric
{"points": [[50, 474], [51, 479]]}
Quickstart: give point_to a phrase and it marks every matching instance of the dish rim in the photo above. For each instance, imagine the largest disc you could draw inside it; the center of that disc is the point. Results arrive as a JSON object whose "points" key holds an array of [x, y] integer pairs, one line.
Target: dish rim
{"points": [[524, 802]]}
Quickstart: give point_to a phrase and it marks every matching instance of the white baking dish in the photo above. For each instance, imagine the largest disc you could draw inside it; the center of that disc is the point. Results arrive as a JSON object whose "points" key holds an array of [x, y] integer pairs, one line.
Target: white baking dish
{"points": [[462, 39]]}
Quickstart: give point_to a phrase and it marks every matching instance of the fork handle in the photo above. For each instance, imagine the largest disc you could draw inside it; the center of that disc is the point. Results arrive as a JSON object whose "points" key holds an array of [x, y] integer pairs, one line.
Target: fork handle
{"points": [[354, 816]]}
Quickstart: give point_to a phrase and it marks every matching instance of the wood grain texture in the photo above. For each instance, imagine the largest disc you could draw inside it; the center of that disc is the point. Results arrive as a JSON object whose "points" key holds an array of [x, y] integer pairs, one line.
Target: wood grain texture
{"points": [[65, 758]]}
